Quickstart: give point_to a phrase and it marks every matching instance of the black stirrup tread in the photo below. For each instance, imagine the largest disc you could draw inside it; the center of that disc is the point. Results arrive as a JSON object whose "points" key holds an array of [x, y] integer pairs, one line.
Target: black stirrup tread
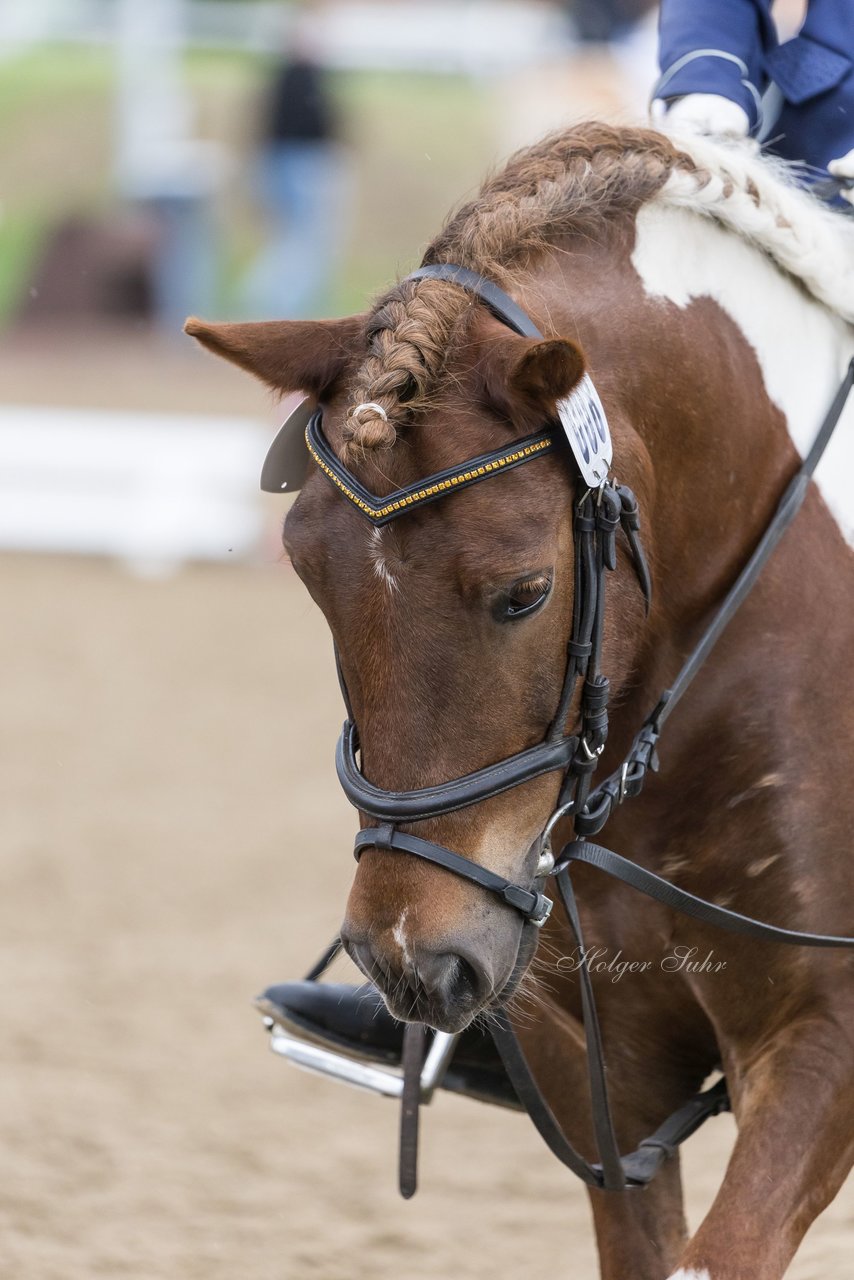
{"points": [[355, 1021], [352, 1019]]}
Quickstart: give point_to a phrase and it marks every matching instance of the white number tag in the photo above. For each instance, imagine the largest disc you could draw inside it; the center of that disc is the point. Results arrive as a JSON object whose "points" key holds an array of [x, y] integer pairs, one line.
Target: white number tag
{"points": [[583, 419], [286, 464]]}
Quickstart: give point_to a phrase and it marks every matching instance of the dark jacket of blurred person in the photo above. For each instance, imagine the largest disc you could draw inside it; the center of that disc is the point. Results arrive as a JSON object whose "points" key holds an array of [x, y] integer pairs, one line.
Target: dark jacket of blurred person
{"points": [[299, 107]]}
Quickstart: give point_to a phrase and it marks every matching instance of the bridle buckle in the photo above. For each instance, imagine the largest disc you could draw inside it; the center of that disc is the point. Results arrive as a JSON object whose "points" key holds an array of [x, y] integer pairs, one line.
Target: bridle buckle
{"points": [[592, 753], [544, 910]]}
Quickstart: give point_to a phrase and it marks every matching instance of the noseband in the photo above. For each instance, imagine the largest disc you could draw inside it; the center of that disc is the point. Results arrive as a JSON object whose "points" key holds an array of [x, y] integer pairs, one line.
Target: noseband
{"points": [[598, 516]]}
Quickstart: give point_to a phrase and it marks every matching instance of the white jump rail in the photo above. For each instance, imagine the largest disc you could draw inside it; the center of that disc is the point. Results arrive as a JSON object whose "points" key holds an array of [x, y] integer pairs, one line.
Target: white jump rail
{"points": [[151, 489]]}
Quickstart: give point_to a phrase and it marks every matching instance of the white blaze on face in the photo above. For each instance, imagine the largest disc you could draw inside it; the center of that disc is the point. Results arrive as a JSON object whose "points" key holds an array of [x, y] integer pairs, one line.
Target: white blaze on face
{"points": [[802, 348], [381, 569], [399, 935]]}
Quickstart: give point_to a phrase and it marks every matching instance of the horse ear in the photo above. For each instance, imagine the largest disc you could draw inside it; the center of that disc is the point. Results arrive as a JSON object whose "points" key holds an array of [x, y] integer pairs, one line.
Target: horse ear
{"points": [[547, 372], [288, 355], [525, 377]]}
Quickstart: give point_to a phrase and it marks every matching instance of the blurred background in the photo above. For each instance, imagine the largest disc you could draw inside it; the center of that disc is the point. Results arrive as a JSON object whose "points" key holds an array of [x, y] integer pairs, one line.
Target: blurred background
{"points": [[173, 838]]}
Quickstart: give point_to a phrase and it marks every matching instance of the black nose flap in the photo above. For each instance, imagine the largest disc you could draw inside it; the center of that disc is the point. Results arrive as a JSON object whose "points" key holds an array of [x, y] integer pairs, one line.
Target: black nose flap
{"points": [[286, 464]]}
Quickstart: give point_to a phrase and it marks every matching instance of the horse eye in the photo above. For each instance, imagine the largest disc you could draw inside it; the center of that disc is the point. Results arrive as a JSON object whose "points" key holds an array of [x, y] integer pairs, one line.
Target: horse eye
{"points": [[524, 597]]}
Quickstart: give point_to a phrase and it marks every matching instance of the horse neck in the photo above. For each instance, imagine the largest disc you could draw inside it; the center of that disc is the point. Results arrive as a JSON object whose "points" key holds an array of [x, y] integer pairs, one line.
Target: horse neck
{"points": [[717, 370], [763, 358]]}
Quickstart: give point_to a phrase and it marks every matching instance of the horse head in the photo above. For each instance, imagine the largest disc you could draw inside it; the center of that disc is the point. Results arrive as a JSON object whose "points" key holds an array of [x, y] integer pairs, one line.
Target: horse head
{"points": [[451, 623]]}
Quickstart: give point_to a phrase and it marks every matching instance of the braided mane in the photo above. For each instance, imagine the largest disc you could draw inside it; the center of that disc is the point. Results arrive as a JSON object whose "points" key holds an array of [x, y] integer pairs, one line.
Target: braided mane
{"points": [[577, 182]]}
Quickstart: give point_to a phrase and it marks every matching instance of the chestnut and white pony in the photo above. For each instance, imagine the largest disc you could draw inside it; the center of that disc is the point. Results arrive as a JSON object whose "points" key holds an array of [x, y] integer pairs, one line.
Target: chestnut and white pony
{"points": [[712, 304]]}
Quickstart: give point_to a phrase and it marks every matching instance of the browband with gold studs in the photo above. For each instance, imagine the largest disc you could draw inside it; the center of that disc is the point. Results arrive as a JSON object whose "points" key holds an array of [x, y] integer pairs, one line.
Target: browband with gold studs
{"points": [[381, 510]]}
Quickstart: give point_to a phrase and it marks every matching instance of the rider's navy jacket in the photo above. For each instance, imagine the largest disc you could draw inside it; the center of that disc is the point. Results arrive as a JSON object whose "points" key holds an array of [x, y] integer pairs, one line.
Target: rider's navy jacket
{"points": [[810, 115]]}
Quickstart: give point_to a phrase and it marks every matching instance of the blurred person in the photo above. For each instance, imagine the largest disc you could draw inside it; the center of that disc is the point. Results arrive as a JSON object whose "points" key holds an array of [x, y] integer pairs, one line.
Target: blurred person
{"points": [[161, 166], [602, 21], [725, 73], [180, 191], [300, 180]]}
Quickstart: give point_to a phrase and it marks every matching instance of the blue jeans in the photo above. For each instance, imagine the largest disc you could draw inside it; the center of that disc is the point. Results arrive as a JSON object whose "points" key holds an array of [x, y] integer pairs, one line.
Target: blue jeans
{"points": [[301, 190]]}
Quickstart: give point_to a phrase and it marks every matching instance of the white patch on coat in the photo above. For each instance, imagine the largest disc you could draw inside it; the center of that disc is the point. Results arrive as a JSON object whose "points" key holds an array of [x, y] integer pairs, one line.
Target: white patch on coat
{"points": [[400, 938], [754, 869], [682, 1274], [381, 569], [767, 780], [697, 241]]}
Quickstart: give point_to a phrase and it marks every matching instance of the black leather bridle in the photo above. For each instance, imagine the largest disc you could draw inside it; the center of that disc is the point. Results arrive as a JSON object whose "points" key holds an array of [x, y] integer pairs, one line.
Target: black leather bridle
{"points": [[598, 517]]}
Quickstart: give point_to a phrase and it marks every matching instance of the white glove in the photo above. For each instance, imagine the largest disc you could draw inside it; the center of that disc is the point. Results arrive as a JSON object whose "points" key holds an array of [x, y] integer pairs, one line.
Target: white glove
{"points": [[706, 113], [844, 168]]}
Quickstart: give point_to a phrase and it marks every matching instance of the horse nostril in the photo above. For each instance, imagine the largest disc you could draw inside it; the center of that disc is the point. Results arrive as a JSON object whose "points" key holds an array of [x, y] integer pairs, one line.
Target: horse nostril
{"points": [[468, 983], [373, 964], [442, 988], [448, 977]]}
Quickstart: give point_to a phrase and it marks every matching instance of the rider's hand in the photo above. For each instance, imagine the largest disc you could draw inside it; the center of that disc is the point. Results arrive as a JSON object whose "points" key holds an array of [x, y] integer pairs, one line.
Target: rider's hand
{"points": [[706, 113], [844, 168]]}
